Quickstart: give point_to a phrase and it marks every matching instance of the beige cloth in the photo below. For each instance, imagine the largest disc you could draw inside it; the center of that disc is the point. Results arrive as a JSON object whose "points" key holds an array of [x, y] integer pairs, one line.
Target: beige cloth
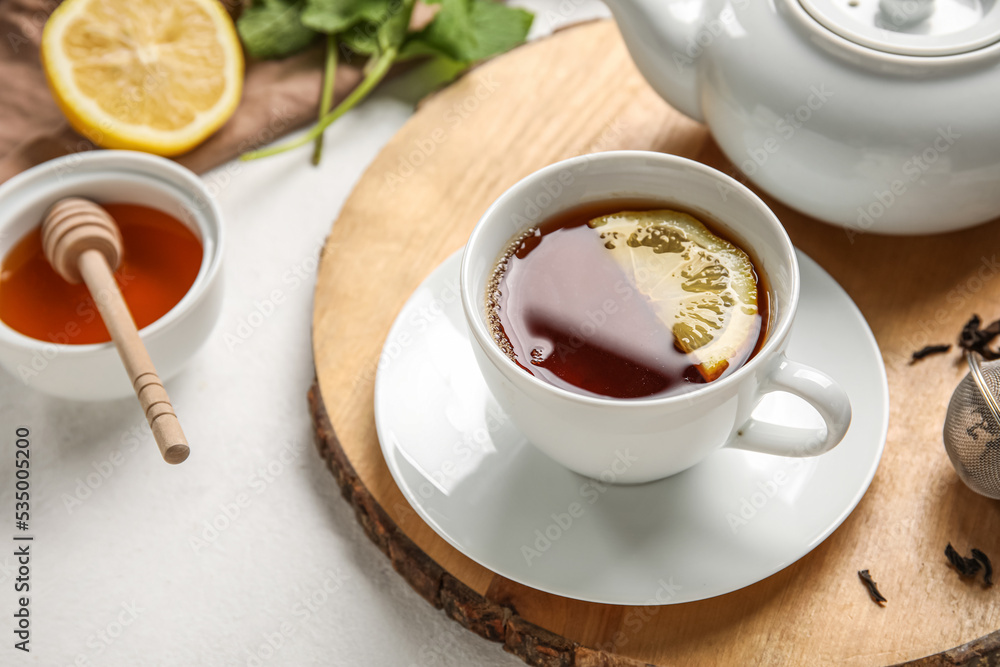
{"points": [[278, 97]]}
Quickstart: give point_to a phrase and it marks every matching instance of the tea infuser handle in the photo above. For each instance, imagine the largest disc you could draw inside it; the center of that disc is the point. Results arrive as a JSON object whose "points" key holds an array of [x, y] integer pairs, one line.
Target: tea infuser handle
{"points": [[819, 390], [976, 371], [83, 244]]}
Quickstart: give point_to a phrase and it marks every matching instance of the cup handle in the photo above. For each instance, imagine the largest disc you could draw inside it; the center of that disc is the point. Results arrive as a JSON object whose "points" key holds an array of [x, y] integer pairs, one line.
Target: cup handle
{"points": [[820, 391]]}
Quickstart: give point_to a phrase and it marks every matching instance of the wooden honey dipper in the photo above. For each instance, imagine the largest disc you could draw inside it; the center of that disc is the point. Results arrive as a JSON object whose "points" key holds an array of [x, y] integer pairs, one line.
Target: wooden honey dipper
{"points": [[82, 243]]}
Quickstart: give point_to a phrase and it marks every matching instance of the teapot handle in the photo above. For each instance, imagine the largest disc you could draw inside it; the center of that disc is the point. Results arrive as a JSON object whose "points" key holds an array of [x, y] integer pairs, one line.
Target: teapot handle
{"points": [[666, 47]]}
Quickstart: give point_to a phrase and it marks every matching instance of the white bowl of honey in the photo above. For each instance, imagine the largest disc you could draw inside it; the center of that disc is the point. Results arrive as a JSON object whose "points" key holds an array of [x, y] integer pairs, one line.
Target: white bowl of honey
{"points": [[52, 338]]}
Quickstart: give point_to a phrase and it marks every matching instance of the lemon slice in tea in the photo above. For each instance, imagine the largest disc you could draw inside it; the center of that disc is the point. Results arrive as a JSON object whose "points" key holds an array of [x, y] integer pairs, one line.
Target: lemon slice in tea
{"points": [[701, 286]]}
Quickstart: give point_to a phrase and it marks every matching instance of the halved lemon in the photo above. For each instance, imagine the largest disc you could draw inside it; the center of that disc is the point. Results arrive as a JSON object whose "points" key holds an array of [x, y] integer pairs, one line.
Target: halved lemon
{"points": [[701, 286], [144, 74]]}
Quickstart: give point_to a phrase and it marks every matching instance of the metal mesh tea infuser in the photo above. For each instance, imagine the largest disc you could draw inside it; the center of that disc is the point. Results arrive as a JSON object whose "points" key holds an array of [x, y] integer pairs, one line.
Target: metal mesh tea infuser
{"points": [[972, 427]]}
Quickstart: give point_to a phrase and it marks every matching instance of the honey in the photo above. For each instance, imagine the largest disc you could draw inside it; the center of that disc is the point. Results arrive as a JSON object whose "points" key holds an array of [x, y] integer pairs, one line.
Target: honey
{"points": [[160, 262]]}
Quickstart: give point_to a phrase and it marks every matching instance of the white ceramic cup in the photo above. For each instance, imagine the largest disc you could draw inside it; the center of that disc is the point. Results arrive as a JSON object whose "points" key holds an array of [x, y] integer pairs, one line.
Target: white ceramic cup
{"points": [[94, 372], [639, 440]]}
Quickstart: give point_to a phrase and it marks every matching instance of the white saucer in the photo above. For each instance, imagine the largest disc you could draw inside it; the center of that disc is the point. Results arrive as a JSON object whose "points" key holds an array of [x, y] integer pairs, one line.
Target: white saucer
{"points": [[730, 521]]}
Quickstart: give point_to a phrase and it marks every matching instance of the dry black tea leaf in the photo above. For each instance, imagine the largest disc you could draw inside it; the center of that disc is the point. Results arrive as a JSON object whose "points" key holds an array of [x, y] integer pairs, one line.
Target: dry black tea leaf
{"points": [[928, 351], [974, 338], [987, 566], [969, 567], [957, 560], [872, 587]]}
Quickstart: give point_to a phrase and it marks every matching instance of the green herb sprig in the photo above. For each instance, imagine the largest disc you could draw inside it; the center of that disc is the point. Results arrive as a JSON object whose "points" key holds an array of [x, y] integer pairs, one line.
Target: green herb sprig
{"points": [[462, 32]]}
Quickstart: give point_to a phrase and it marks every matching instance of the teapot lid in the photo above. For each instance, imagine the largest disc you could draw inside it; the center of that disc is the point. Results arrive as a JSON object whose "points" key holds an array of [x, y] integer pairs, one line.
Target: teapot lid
{"points": [[911, 27]]}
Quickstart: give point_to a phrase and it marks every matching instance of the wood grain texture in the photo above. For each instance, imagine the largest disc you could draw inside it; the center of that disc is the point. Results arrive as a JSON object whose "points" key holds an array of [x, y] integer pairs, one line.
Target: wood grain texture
{"points": [[575, 93]]}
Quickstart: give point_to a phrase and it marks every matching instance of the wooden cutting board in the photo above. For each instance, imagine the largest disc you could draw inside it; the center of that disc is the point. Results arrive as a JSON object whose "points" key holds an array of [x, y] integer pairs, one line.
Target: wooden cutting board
{"points": [[578, 92]]}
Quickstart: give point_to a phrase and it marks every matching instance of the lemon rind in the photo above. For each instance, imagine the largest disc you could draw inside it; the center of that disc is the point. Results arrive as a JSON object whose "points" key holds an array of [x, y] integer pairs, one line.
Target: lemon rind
{"points": [[86, 117]]}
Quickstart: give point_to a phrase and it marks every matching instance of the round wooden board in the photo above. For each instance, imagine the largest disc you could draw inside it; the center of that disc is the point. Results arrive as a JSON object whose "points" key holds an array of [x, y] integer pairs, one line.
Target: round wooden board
{"points": [[578, 92]]}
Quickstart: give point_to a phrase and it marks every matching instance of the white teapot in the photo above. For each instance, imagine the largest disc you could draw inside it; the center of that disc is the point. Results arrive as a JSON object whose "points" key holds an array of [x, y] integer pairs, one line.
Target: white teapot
{"points": [[877, 115]]}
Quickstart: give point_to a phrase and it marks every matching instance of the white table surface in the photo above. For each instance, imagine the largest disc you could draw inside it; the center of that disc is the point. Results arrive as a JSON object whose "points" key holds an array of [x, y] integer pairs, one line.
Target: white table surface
{"points": [[126, 569]]}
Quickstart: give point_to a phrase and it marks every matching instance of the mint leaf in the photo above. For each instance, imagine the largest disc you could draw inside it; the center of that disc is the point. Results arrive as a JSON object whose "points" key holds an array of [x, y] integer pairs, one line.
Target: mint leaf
{"points": [[272, 29], [467, 31], [334, 16], [362, 38], [393, 30], [462, 32], [387, 31]]}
